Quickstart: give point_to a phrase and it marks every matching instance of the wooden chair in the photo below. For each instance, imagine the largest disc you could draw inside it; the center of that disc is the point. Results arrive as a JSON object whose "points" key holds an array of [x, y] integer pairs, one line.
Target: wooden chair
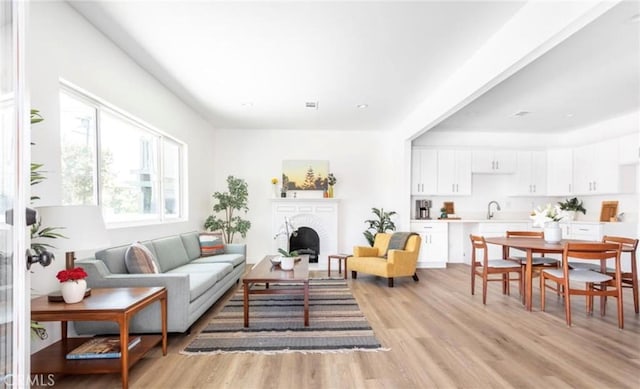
{"points": [[485, 267], [596, 283], [537, 262], [628, 279]]}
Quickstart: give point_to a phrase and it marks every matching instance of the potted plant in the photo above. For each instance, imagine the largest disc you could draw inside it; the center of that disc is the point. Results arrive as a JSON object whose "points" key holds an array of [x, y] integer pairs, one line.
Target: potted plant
{"points": [[383, 223], [287, 259], [73, 284], [229, 202], [571, 207]]}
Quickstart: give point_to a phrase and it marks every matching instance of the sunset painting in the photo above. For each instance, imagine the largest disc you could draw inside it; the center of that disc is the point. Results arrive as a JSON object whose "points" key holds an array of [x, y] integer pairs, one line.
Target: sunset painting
{"points": [[305, 174]]}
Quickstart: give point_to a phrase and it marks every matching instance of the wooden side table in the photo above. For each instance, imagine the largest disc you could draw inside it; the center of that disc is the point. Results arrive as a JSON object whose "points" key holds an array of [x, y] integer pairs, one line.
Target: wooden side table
{"points": [[340, 258], [104, 304]]}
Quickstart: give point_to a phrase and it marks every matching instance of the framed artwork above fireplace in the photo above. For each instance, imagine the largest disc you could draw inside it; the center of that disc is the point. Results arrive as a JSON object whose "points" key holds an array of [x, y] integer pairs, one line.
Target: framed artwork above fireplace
{"points": [[305, 174]]}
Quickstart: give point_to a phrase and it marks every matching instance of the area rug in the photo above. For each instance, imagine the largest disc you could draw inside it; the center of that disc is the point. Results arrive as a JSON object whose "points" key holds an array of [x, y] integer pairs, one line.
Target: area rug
{"points": [[336, 324]]}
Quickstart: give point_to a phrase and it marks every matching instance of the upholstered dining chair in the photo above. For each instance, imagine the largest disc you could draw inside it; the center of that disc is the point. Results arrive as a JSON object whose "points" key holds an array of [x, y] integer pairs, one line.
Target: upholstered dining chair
{"points": [[597, 283], [485, 267], [537, 261]]}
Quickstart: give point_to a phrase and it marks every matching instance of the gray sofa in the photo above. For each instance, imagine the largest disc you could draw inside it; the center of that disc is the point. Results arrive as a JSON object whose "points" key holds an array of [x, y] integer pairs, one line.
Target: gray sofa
{"points": [[193, 283]]}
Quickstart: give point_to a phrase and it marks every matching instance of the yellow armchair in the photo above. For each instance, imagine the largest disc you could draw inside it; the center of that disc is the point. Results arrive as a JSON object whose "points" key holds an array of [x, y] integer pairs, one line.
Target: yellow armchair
{"points": [[398, 263]]}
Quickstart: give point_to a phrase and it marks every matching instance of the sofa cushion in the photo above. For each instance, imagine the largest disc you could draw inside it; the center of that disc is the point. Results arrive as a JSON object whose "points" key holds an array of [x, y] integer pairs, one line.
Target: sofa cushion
{"points": [[234, 259], [113, 257], [191, 244], [170, 253], [203, 276], [139, 260], [211, 243]]}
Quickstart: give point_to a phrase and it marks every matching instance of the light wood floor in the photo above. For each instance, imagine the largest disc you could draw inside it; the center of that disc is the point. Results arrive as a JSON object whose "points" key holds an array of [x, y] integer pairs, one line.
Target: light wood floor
{"points": [[439, 336]]}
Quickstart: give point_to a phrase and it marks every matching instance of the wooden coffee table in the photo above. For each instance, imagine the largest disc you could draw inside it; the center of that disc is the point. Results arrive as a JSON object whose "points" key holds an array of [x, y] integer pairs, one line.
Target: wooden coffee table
{"points": [[265, 272], [104, 304]]}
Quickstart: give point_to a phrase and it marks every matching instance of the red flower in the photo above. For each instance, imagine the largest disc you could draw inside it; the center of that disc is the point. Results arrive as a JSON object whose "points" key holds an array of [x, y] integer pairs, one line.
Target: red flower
{"points": [[77, 273]]}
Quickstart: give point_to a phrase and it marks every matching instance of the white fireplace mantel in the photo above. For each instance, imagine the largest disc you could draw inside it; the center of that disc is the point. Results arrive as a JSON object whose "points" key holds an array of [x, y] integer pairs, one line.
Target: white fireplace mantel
{"points": [[320, 214]]}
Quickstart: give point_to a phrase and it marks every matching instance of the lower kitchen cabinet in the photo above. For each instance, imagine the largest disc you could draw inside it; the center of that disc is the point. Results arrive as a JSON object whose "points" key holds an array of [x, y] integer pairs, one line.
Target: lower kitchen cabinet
{"points": [[434, 249]]}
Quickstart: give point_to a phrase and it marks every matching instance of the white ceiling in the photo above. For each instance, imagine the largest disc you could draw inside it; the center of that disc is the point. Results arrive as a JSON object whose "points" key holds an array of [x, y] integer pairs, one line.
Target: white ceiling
{"points": [[253, 65]]}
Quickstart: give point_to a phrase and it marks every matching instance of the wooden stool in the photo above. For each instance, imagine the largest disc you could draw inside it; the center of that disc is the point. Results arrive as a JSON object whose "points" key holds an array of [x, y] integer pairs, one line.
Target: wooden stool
{"points": [[340, 258]]}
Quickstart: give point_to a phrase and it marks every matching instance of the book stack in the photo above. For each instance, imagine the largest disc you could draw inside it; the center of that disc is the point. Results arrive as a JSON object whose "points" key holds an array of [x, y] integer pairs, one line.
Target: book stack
{"points": [[100, 348]]}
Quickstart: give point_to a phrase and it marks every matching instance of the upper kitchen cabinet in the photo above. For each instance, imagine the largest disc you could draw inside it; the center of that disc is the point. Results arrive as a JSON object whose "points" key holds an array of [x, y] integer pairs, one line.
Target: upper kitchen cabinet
{"points": [[493, 161], [531, 175], [424, 171], [596, 168], [560, 172], [629, 149], [454, 172]]}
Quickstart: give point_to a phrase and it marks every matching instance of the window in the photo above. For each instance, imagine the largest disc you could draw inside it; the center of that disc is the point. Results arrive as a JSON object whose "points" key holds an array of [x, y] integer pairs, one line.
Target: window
{"points": [[109, 158]]}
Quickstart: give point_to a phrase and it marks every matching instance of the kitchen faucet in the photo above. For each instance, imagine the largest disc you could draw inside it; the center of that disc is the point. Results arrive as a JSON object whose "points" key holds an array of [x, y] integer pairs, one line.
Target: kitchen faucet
{"points": [[489, 213]]}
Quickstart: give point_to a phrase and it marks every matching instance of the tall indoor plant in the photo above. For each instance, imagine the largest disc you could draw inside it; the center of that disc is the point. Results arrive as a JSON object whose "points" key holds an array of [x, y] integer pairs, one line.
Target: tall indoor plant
{"points": [[235, 199], [383, 223]]}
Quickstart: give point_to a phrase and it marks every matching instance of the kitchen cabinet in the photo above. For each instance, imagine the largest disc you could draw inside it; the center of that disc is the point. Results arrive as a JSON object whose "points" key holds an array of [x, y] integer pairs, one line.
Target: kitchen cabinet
{"points": [[531, 174], [435, 243], [454, 172], [582, 231], [424, 171], [493, 161], [596, 168], [629, 149], [560, 172]]}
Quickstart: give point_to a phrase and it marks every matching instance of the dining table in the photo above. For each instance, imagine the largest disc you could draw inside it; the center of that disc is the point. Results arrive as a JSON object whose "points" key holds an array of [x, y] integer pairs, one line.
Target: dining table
{"points": [[535, 246], [531, 246]]}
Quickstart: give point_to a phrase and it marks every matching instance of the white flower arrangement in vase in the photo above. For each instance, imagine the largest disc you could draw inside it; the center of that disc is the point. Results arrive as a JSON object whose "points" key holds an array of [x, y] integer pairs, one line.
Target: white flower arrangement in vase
{"points": [[548, 218]]}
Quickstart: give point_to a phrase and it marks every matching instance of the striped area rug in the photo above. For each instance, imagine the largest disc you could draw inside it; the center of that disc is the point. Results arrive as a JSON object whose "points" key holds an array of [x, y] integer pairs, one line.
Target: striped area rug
{"points": [[336, 324]]}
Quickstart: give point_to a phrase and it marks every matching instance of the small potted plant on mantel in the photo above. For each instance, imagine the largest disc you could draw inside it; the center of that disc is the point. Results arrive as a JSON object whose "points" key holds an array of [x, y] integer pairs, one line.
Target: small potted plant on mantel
{"points": [[571, 207]]}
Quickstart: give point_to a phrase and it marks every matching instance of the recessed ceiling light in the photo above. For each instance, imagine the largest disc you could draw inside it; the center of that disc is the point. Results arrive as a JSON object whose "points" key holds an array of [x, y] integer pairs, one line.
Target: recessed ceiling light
{"points": [[247, 104], [635, 18], [362, 106], [570, 115], [521, 113], [311, 104]]}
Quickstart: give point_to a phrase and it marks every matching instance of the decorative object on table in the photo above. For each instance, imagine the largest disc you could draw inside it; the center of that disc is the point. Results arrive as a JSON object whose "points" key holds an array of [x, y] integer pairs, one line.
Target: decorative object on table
{"points": [[443, 213], [274, 187], [305, 174], [102, 347], [548, 218], [383, 223], [571, 207], [609, 211], [287, 230], [343, 327], [228, 202], [72, 284], [288, 259], [331, 181]]}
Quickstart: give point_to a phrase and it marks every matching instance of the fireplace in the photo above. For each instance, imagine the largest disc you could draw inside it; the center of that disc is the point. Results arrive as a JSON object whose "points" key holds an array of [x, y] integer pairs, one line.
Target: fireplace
{"points": [[306, 241], [314, 219]]}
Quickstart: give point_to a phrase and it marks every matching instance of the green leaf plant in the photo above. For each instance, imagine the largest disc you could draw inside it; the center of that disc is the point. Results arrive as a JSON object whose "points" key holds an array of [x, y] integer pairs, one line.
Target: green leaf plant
{"points": [[383, 223], [235, 199]]}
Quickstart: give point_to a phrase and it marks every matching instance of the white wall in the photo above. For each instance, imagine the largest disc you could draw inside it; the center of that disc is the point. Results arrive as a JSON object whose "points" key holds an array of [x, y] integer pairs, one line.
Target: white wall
{"points": [[364, 163], [61, 44]]}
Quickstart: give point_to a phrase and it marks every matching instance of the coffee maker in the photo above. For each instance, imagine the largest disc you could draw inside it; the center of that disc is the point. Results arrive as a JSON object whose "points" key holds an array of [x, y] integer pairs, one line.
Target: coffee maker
{"points": [[423, 209]]}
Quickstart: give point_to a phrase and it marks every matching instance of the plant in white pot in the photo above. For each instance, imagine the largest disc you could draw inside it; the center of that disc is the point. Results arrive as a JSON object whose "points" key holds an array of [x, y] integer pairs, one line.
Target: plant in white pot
{"points": [[571, 207], [548, 218]]}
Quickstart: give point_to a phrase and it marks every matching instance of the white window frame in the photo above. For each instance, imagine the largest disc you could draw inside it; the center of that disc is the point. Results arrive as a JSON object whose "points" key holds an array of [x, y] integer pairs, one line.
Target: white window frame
{"points": [[102, 106]]}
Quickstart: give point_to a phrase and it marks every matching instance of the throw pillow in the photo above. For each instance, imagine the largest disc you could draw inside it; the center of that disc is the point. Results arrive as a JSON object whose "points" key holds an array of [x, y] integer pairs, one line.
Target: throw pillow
{"points": [[139, 260], [211, 243]]}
